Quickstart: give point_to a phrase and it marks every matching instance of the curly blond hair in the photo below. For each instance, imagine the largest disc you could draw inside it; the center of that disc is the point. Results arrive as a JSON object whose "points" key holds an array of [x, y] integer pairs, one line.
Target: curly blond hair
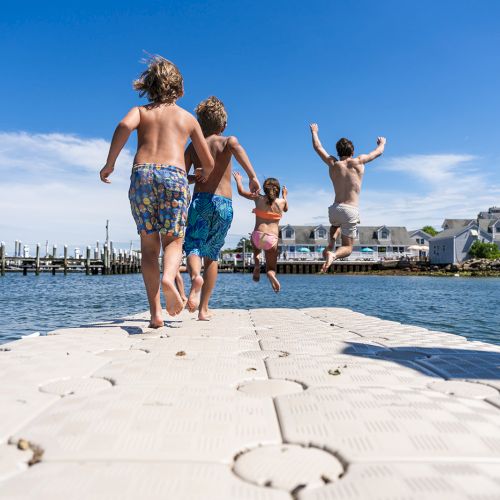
{"points": [[161, 82], [211, 115]]}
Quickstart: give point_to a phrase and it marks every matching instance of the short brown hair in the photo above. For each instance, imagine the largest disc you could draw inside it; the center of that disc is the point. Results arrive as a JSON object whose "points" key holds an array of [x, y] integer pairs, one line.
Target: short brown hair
{"points": [[345, 147], [161, 82], [272, 189], [212, 115]]}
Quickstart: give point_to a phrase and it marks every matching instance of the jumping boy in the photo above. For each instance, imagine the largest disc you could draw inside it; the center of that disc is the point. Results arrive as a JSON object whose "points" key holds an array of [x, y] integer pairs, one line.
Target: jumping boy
{"points": [[159, 192], [346, 174], [211, 212]]}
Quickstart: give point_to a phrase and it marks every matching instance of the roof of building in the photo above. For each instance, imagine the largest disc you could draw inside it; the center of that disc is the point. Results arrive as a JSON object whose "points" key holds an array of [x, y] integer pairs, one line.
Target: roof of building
{"points": [[412, 232], [367, 235], [457, 223], [304, 234], [451, 233]]}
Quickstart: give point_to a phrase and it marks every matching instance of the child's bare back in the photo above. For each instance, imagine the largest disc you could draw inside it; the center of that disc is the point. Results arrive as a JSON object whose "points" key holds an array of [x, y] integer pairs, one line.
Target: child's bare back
{"points": [[219, 181], [347, 176], [162, 133]]}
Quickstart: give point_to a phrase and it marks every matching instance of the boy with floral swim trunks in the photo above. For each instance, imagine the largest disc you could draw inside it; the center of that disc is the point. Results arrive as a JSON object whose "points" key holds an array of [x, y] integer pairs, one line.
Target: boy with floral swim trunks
{"points": [[159, 192], [211, 211], [346, 175]]}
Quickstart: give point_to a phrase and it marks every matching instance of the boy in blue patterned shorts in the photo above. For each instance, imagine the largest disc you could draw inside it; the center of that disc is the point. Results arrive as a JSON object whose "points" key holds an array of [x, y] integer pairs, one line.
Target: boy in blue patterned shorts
{"points": [[211, 211]]}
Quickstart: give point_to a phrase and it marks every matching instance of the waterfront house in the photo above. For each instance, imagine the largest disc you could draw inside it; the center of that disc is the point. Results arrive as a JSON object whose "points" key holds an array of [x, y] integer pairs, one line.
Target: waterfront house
{"points": [[452, 245], [490, 223], [372, 242], [420, 239]]}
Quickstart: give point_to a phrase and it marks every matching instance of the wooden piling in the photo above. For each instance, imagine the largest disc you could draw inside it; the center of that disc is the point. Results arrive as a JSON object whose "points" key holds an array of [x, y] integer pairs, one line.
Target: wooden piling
{"points": [[37, 259], [65, 263], [2, 258], [105, 259], [87, 261]]}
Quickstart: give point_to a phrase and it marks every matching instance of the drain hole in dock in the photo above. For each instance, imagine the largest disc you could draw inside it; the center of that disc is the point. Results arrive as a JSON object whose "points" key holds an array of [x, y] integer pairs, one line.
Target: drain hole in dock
{"points": [[288, 467]]}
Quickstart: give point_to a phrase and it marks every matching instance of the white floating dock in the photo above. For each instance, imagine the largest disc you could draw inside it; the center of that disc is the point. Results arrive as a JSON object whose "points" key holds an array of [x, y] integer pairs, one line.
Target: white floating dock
{"points": [[309, 404]]}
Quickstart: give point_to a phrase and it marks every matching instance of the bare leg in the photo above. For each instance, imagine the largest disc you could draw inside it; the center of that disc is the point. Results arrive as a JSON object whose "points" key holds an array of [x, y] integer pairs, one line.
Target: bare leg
{"points": [[150, 250], [172, 256], [256, 268], [194, 268], [179, 283], [209, 279], [328, 252], [346, 249], [271, 261]]}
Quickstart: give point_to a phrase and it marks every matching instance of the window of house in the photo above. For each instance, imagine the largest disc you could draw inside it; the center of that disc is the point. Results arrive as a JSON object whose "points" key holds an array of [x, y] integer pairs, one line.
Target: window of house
{"points": [[289, 233], [384, 234], [321, 233]]}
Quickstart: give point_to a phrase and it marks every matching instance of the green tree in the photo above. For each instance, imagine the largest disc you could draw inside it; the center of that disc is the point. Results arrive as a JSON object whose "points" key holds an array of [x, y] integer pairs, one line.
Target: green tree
{"points": [[430, 230], [482, 250], [248, 245]]}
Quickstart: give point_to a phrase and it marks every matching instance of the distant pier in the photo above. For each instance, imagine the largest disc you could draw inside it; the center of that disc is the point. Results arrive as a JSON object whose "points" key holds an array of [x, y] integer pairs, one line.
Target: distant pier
{"points": [[98, 261]]}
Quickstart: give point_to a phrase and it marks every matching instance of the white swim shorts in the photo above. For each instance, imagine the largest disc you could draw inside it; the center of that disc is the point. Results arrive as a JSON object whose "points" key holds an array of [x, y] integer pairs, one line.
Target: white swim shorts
{"points": [[345, 217]]}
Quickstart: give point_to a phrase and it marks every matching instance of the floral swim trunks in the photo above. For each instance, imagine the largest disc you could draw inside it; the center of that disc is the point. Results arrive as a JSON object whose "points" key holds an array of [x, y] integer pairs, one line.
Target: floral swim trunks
{"points": [[209, 220], [159, 198]]}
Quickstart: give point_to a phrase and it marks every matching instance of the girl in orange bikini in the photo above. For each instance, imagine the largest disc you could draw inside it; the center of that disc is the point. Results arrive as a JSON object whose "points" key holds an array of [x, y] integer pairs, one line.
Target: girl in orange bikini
{"points": [[269, 209]]}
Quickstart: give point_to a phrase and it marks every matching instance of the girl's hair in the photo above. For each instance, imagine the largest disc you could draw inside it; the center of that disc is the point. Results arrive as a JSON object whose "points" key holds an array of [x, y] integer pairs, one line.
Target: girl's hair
{"points": [[161, 82], [211, 115], [272, 189]]}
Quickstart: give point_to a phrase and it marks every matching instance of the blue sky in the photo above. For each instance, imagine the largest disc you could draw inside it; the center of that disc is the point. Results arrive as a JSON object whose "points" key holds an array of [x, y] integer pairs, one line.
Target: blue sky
{"points": [[425, 74]]}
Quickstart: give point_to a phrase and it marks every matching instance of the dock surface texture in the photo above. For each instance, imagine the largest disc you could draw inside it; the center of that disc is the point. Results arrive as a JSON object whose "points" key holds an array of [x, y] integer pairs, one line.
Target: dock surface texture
{"points": [[309, 404]]}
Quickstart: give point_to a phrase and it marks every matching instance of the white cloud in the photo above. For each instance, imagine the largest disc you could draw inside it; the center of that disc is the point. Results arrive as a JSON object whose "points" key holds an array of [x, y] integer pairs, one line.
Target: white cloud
{"points": [[51, 190], [430, 168]]}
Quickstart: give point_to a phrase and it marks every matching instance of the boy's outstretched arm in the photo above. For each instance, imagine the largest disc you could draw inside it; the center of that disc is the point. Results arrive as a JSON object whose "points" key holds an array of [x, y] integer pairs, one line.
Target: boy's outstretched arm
{"points": [[202, 150], [375, 153], [120, 138], [322, 153], [241, 156], [241, 190]]}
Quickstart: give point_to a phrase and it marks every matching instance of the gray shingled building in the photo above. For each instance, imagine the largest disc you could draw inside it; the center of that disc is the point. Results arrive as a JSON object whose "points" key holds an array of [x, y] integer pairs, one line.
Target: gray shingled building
{"points": [[383, 241]]}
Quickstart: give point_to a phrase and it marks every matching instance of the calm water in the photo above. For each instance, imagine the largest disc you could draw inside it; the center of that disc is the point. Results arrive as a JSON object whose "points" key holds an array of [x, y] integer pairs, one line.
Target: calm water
{"points": [[465, 306]]}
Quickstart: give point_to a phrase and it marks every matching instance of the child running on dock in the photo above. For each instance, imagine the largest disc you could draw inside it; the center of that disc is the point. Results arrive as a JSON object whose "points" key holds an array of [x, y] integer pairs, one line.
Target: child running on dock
{"points": [[269, 209], [346, 174], [211, 211], [159, 192]]}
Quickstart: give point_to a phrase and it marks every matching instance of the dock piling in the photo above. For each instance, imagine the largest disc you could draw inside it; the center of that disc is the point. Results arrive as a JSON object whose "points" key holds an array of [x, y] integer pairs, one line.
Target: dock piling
{"points": [[2, 258], [37, 259], [65, 264], [87, 261]]}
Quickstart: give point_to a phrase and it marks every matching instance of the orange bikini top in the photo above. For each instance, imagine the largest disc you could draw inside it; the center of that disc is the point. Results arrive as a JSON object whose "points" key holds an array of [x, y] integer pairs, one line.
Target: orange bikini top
{"points": [[267, 215]]}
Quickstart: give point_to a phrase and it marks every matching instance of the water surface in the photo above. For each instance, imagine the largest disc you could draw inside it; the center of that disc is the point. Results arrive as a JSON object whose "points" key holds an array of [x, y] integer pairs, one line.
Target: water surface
{"points": [[465, 306]]}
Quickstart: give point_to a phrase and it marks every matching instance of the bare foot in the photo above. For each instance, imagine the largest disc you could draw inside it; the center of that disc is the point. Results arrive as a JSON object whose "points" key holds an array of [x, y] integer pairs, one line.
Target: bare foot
{"points": [[329, 258], [172, 296], [204, 315], [156, 322], [274, 281], [194, 294], [184, 300]]}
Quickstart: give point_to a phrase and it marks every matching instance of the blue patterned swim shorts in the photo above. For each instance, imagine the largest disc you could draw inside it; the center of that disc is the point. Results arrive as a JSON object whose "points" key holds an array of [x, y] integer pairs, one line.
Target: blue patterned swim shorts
{"points": [[159, 198], [209, 220]]}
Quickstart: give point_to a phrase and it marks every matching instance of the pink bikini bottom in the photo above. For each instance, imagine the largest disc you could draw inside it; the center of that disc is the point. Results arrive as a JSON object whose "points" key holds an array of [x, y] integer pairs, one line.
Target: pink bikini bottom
{"points": [[264, 241]]}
